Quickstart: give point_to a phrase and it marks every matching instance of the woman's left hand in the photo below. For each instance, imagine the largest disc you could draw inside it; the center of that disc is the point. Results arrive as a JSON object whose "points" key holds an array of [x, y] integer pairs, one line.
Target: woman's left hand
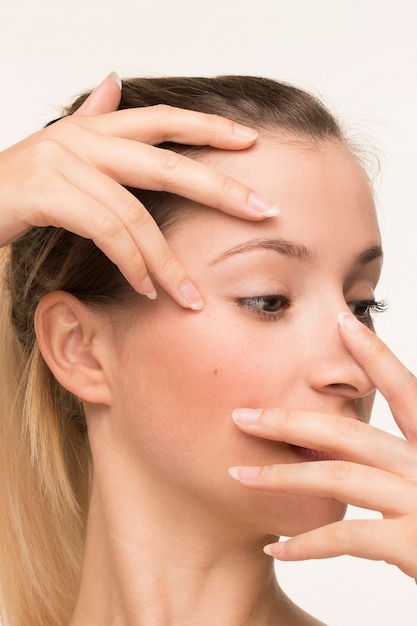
{"points": [[378, 470]]}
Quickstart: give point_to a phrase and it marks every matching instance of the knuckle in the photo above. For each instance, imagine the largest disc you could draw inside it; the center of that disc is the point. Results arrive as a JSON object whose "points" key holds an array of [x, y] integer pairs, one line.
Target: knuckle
{"points": [[137, 215], [276, 421], [285, 420], [109, 226], [340, 471], [41, 159], [349, 428], [228, 187], [163, 112], [135, 262], [337, 534], [170, 163], [62, 129], [45, 151], [167, 264]]}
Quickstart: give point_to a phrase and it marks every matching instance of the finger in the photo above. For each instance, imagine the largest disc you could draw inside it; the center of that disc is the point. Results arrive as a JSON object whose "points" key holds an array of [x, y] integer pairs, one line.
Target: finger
{"points": [[104, 98], [80, 213], [93, 205], [161, 123], [122, 209], [389, 375], [146, 167], [378, 540], [345, 437], [359, 485]]}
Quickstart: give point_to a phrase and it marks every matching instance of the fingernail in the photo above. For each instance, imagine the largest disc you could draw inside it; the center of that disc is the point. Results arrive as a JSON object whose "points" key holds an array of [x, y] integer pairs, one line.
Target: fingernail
{"points": [[350, 322], [259, 205], [274, 549], [115, 76], [247, 472], [147, 288], [191, 295], [244, 132], [246, 417]]}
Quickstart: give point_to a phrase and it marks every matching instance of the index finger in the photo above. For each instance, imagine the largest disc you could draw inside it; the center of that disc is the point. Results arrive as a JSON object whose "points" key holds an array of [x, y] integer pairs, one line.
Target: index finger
{"points": [[396, 383], [163, 123]]}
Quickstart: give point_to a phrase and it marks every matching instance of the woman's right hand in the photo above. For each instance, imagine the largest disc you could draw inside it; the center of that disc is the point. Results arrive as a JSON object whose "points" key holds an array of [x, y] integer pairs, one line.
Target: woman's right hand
{"points": [[71, 173]]}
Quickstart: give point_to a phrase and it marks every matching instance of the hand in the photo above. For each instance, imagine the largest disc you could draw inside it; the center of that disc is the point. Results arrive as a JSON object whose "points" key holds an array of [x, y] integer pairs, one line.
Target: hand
{"points": [[71, 173], [378, 470]]}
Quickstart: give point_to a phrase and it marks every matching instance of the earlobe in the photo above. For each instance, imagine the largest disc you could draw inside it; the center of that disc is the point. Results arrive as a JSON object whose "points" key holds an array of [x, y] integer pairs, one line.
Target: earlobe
{"points": [[66, 331]]}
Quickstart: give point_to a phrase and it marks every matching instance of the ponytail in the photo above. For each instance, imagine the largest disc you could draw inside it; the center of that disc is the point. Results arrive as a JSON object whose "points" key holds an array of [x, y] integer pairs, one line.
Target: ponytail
{"points": [[41, 519]]}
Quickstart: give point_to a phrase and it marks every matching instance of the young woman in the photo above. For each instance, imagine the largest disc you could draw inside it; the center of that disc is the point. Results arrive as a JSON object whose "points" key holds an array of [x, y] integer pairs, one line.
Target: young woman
{"points": [[141, 478]]}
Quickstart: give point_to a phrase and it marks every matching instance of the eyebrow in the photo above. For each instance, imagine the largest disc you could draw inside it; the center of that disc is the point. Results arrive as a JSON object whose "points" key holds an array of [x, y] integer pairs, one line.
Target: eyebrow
{"points": [[369, 255], [292, 250]]}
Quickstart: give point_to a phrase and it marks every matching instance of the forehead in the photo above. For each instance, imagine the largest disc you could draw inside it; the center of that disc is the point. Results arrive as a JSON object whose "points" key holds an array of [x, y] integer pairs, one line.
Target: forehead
{"points": [[276, 165], [322, 190]]}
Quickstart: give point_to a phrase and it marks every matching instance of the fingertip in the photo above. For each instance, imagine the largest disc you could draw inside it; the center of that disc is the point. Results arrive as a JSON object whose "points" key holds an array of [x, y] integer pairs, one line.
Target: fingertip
{"points": [[191, 295], [262, 207], [246, 416], [105, 98], [115, 76], [245, 473], [234, 473], [197, 306], [274, 549], [349, 323], [146, 288], [245, 133]]}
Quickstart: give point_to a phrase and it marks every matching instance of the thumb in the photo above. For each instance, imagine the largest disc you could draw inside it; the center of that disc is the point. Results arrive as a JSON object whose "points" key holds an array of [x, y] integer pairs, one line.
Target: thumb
{"points": [[105, 98]]}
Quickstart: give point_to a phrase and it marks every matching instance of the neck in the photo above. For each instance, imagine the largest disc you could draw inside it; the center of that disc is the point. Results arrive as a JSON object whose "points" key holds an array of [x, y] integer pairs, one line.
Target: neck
{"points": [[154, 561]]}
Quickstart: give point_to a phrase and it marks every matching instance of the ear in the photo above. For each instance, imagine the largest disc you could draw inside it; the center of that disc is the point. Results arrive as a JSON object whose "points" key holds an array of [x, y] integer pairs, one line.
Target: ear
{"points": [[67, 336]]}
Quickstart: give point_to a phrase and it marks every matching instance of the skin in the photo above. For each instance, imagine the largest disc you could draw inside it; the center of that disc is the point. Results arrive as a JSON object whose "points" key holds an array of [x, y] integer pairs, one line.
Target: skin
{"points": [[378, 470], [170, 534], [84, 159], [113, 584], [230, 354]]}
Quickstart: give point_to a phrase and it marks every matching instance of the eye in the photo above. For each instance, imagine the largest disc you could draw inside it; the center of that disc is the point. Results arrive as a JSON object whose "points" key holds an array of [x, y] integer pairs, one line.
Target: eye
{"points": [[269, 307], [363, 309]]}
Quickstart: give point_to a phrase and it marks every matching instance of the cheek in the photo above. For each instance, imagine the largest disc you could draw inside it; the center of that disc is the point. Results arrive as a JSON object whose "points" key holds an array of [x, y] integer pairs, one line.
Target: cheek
{"points": [[201, 367], [183, 378]]}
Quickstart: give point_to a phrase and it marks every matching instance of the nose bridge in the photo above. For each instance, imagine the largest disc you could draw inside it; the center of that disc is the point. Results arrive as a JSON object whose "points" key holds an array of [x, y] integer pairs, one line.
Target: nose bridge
{"points": [[333, 368]]}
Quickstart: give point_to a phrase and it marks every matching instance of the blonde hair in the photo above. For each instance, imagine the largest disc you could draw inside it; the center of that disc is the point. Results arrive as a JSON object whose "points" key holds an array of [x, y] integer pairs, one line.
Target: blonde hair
{"points": [[45, 465], [41, 521]]}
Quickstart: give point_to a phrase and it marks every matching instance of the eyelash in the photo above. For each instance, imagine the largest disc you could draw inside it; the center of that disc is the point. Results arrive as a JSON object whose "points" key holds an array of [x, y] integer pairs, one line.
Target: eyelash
{"points": [[369, 307], [365, 316], [274, 299]]}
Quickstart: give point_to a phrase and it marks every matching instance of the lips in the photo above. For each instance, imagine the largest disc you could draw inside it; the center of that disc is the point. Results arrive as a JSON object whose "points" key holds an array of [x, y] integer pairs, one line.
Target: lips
{"points": [[307, 454]]}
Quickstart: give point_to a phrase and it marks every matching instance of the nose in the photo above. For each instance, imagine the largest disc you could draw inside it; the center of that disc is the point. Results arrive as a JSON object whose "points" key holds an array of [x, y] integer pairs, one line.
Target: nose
{"points": [[333, 370]]}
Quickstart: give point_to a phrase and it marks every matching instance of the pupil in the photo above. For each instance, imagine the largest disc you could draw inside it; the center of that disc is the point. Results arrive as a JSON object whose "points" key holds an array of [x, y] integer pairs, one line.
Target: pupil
{"points": [[272, 304], [362, 309]]}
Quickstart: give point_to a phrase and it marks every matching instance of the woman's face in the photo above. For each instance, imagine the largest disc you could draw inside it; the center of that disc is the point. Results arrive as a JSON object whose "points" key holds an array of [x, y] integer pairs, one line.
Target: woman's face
{"points": [[267, 336]]}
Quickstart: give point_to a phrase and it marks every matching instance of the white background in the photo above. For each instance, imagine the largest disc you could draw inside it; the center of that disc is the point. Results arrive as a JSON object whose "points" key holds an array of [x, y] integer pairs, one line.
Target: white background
{"points": [[359, 55]]}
